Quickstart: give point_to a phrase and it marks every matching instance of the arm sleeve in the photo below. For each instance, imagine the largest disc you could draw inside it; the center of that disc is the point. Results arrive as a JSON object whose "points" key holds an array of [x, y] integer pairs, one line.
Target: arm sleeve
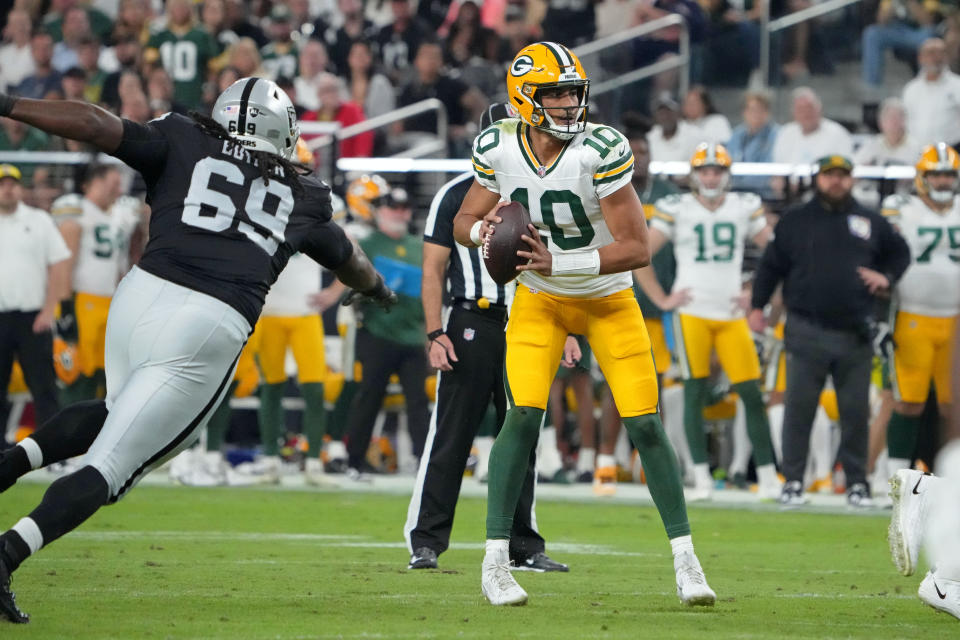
{"points": [[328, 245], [773, 266], [894, 252], [144, 147]]}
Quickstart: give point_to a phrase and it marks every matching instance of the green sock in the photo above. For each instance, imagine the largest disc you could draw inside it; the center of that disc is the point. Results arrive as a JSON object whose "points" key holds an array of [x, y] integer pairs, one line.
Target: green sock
{"points": [[508, 466], [758, 427], [220, 421], [337, 424], [314, 416], [694, 397], [99, 384], [83, 388], [662, 471], [902, 435], [271, 417], [488, 425]]}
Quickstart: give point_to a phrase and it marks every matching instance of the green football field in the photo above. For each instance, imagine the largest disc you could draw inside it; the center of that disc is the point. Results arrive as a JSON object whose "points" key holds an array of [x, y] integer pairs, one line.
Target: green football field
{"points": [[172, 562]]}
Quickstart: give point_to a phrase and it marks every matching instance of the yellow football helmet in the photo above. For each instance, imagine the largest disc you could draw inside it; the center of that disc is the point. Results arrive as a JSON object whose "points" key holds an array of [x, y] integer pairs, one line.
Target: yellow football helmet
{"points": [[363, 193], [709, 154], [938, 158], [545, 65]]}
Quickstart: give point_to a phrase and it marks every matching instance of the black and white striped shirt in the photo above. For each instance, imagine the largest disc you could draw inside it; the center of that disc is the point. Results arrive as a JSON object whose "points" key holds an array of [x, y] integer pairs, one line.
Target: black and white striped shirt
{"points": [[467, 277]]}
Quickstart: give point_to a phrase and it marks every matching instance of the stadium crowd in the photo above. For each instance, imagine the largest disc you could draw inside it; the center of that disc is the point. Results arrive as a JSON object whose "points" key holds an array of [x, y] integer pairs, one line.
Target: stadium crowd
{"points": [[347, 61]]}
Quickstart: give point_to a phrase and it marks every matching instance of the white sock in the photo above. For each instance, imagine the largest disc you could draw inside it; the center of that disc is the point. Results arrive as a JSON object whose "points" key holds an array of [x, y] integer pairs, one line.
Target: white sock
{"points": [[586, 460], [767, 475], [742, 447], [32, 449], [484, 445], [30, 532], [701, 476], [606, 460], [680, 544], [548, 456], [775, 417], [498, 550]]}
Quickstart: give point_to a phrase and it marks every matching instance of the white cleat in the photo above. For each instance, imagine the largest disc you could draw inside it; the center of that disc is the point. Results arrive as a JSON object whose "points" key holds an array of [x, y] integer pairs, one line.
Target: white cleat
{"points": [[907, 490], [264, 470], [769, 492], [699, 494], [498, 584], [314, 475], [692, 585], [941, 594]]}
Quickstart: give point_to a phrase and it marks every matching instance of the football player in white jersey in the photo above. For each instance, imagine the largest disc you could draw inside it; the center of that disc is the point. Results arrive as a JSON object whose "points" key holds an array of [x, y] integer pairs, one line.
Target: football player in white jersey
{"points": [[588, 233], [927, 297], [709, 229], [99, 227]]}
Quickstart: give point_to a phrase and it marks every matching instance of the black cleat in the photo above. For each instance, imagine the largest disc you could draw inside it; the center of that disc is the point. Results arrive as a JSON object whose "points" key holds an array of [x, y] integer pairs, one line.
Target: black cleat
{"points": [[337, 465], [8, 601], [423, 558], [539, 562]]}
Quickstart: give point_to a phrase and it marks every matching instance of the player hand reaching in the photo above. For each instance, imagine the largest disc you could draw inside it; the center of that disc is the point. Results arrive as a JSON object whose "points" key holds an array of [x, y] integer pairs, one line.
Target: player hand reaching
{"points": [[379, 294], [541, 260]]}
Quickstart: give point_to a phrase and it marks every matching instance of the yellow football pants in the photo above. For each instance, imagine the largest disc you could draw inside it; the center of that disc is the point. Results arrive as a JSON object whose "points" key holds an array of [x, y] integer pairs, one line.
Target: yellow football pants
{"points": [[91, 313], [923, 349], [697, 338], [304, 336]]}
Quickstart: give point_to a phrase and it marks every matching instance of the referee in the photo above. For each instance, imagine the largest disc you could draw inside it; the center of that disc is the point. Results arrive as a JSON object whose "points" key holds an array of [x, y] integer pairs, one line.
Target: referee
{"points": [[35, 273], [834, 257], [469, 351]]}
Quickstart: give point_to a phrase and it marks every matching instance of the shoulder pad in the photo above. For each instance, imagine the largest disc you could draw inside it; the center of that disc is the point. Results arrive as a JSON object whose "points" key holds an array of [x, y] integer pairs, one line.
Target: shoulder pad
{"points": [[892, 204], [750, 201], [670, 204], [68, 206]]}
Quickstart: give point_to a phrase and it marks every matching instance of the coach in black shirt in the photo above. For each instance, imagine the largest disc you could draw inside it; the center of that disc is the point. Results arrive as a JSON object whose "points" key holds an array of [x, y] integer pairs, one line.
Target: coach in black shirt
{"points": [[833, 257]]}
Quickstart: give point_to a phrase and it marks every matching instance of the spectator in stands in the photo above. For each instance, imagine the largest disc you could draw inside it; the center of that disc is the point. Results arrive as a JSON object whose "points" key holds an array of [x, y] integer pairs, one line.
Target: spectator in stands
{"points": [[334, 107], [570, 22], [338, 40], [299, 12], [134, 107], [394, 342], [76, 28], [160, 93], [185, 50], [698, 110], [732, 42], [45, 80], [72, 84], [313, 61], [400, 40], [671, 138], [133, 19], [467, 38], [515, 34], [89, 56], [243, 56], [16, 136], [752, 141], [16, 58], [368, 88], [901, 26], [666, 42], [128, 51], [213, 19], [34, 262], [430, 81], [810, 135], [892, 146], [280, 54], [932, 99], [99, 23], [239, 22]]}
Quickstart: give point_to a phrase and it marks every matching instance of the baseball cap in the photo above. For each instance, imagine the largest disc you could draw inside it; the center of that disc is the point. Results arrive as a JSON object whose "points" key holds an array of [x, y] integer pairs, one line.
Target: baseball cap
{"points": [[826, 163], [75, 72], [397, 199], [10, 171]]}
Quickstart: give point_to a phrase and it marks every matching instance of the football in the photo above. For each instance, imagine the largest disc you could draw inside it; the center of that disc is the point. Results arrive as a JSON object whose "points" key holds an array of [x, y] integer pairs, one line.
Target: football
{"points": [[500, 249]]}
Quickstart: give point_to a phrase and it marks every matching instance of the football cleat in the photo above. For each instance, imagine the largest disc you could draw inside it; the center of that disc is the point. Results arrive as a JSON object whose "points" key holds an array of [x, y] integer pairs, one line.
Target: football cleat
{"points": [[605, 481], [692, 587], [858, 496], [8, 601], [314, 475], [940, 593], [908, 490], [423, 558], [792, 495], [539, 562], [265, 470], [498, 584]]}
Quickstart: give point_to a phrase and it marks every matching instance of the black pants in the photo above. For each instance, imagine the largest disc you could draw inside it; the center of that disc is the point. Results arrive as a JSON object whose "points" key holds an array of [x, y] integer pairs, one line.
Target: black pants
{"points": [[35, 353], [381, 358], [813, 352], [463, 396]]}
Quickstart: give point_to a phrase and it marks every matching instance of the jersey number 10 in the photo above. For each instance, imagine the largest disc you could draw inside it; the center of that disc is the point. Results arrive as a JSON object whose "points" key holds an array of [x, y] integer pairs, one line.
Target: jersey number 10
{"points": [[213, 210]]}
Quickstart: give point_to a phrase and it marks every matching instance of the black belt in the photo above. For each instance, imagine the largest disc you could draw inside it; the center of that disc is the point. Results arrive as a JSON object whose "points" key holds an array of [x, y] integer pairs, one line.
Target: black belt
{"points": [[494, 311]]}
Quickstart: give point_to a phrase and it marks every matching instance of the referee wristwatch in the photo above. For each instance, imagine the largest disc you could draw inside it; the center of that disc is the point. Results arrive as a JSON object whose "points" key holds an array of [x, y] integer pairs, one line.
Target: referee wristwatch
{"points": [[433, 335]]}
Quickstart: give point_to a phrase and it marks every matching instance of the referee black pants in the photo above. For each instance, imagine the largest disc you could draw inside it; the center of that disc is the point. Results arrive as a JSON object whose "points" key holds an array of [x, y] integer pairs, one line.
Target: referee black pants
{"points": [[381, 358], [463, 396], [812, 353], [35, 354]]}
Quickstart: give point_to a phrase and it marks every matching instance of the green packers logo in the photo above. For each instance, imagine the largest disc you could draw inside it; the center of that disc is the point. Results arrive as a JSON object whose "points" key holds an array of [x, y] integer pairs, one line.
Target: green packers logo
{"points": [[521, 66]]}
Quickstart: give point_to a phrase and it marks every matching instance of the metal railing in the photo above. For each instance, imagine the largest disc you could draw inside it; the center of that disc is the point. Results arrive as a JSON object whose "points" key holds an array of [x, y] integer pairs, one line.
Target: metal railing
{"points": [[769, 27]]}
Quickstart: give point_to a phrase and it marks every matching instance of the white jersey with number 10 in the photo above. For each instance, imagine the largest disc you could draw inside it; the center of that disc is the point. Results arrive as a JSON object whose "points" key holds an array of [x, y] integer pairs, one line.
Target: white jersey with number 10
{"points": [[563, 198]]}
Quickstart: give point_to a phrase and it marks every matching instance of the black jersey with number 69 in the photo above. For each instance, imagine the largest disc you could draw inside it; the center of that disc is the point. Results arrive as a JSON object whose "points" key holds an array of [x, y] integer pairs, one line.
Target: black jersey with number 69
{"points": [[216, 227]]}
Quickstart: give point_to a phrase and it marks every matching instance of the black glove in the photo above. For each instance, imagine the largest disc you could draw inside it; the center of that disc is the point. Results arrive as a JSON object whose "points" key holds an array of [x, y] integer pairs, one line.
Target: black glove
{"points": [[380, 294], [6, 104], [66, 324], [882, 340]]}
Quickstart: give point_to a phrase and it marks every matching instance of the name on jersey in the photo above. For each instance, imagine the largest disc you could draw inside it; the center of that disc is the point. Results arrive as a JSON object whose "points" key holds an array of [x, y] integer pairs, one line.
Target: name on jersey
{"points": [[234, 149]]}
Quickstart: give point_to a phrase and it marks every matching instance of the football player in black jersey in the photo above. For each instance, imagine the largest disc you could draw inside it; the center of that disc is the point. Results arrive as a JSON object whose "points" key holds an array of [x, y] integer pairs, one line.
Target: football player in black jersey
{"points": [[229, 208]]}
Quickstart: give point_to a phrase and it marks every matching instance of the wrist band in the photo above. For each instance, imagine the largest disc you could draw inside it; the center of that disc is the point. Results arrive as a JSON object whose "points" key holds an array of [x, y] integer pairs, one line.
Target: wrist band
{"points": [[6, 104], [433, 335], [475, 233], [576, 264]]}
